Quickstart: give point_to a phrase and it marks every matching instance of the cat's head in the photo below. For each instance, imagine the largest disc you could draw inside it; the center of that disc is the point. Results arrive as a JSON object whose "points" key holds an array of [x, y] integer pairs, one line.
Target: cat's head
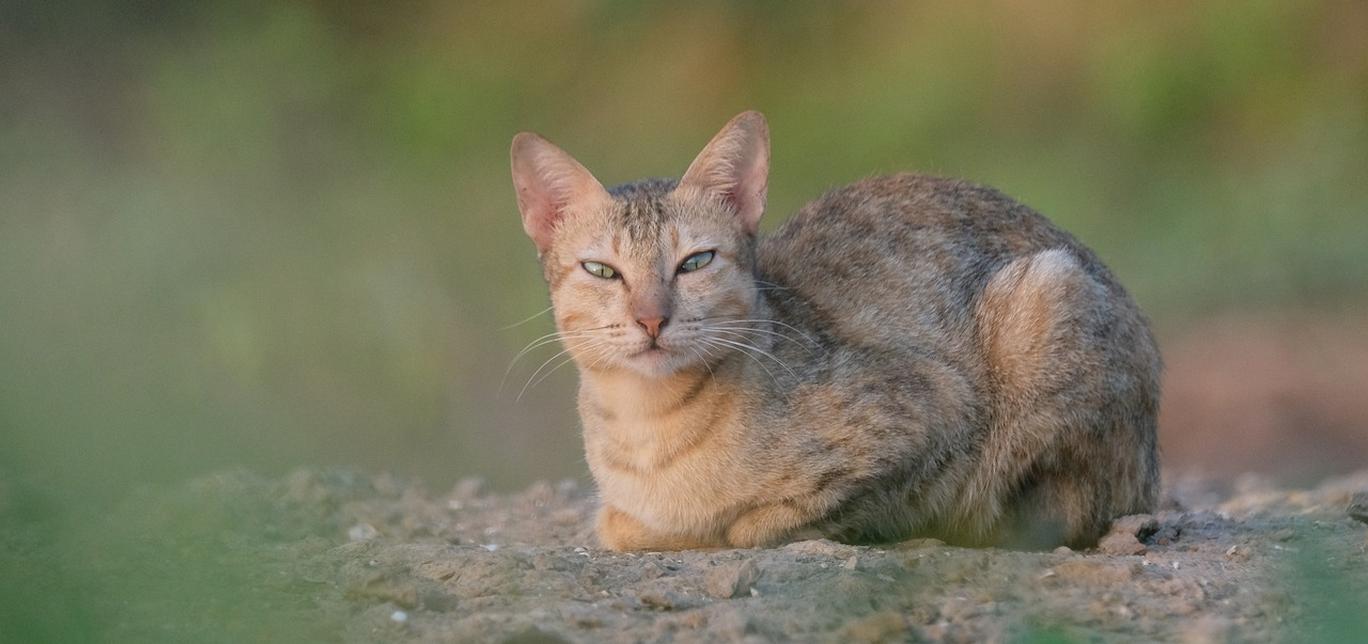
{"points": [[651, 277]]}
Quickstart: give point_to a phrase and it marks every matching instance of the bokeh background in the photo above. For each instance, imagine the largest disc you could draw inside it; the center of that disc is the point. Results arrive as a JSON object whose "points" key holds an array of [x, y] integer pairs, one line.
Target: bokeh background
{"points": [[281, 233]]}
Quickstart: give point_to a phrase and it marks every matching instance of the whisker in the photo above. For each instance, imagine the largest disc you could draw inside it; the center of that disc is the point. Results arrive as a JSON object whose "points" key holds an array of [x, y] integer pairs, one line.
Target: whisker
{"points": [[544, 340], [795, 329], [702, 357], [601, 350], [715, 342], [762, 352], [528, 319], [772, 286], [538, 371], [747, 349], [733, 328]]}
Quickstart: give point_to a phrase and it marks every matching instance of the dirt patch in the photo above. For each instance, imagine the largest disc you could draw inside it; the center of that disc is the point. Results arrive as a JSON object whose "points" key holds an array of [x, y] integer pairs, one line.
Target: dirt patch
{"points": [[337, 556]]}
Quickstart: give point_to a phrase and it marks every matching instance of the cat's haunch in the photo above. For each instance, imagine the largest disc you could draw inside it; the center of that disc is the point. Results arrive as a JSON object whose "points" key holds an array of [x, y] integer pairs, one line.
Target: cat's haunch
{"points": [[905, 356]]}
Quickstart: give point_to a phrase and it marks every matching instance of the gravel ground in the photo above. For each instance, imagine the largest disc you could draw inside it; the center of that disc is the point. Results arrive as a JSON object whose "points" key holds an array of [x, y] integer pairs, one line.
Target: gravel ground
{"points": [[329, 556]]}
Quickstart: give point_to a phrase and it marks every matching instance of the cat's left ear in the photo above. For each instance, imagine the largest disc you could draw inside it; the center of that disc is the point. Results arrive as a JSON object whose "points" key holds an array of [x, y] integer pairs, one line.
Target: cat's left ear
{"points": [[735, 168], [551, 186]]}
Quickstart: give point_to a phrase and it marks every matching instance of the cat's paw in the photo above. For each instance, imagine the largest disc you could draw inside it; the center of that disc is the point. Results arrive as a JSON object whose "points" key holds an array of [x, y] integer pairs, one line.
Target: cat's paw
{"points": [[618, 531], [764, 526]]}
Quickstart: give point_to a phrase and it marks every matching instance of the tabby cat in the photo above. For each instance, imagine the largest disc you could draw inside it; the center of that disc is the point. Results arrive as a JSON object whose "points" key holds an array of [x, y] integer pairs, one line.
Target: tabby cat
{"points": [[905, 356]]}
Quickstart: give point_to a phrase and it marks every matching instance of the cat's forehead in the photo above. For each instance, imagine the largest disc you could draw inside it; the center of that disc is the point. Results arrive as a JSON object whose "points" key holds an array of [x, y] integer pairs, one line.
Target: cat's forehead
{"points": [[644, 218]]}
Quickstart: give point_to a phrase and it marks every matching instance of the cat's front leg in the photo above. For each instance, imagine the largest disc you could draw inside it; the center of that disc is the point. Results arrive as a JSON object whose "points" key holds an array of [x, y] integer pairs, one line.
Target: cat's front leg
{"points": [[619, 531], [768, 525]]}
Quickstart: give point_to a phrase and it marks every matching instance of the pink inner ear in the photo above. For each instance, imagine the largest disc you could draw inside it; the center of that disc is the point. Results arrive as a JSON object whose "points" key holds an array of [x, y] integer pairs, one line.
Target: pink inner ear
{"points": [[540, 216], [549, 184], [734, 166]]}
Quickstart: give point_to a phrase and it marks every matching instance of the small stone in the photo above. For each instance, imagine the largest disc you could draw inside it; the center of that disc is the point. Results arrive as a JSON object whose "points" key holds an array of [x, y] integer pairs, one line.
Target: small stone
{"points": [[663, 599], [399, 617], [851, 563], [362, 532], [731, 580], [1140, 526], [819, 547], [1121, 544], [1167, 534], [1127, 533], [467, 489], [1237, 553], [1358, 507], [1063, 550]]}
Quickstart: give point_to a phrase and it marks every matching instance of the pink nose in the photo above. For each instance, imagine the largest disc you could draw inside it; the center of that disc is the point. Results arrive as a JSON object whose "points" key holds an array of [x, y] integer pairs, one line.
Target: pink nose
{"points": [[653, 325]]}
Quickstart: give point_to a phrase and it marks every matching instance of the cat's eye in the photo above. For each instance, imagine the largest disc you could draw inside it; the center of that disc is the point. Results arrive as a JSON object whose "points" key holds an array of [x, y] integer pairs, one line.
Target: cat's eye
{"points": [[696, 261], [599, 269]]}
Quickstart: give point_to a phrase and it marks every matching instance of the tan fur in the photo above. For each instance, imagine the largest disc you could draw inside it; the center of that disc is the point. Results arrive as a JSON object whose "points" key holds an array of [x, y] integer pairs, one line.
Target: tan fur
{"points": [[905, 356]]}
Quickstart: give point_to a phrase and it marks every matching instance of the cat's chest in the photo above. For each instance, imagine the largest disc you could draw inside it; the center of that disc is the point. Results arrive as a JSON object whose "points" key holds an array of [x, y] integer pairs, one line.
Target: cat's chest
{"points": [[679, 479]]}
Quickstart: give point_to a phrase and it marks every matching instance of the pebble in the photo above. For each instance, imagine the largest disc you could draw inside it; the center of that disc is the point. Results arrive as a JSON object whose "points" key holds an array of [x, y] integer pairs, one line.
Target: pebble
{"points": [[662, 599], [1139, 526], [731, 580], [362, 532], [1358, 507], [399, 617], [819, 547], [1120, 543], [1126, 535]]}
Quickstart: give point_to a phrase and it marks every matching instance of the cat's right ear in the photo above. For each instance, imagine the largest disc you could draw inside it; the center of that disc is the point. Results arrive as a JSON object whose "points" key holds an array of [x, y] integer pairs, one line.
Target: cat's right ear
{"points": [[551, 186]]}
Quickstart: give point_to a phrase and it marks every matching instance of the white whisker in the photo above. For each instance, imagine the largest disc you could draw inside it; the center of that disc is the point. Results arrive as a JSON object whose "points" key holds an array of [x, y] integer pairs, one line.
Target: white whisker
{"points": [[758, 320], [745, 349], [734, 328], [528, 319]]}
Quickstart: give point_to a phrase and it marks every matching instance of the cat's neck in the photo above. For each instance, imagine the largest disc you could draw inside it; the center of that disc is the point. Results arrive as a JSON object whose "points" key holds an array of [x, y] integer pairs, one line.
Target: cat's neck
{"points": [[625, 394]]}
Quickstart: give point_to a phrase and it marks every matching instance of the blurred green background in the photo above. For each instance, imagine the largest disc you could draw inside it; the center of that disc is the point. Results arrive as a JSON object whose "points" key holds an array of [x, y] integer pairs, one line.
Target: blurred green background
{"points": [[279, 233]]}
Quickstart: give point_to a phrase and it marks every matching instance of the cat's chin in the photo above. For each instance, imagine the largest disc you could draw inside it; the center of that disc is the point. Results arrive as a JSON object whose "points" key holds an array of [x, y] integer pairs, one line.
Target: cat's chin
{"points": [[656, 362]]}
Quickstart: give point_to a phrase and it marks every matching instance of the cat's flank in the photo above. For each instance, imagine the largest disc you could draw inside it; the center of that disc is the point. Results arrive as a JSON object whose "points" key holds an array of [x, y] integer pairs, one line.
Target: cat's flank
{"points": [[905, 356]]}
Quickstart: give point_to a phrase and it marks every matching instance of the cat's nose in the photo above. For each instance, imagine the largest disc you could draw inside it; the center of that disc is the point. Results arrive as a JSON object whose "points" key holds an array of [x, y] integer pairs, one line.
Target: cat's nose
{"points": [[653, 325]]}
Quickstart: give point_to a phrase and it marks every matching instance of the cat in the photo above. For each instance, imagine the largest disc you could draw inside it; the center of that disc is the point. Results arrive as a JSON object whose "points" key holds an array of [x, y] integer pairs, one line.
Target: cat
{"points": [[905, 356]]}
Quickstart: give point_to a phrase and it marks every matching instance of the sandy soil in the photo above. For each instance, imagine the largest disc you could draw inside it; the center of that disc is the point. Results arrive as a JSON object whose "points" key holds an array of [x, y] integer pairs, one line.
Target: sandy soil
{"points": [[327, 556]]}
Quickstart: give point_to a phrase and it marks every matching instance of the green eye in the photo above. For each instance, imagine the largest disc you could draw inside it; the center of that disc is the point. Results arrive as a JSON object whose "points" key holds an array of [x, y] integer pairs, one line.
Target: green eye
{"points": [[599, 269], [697, 261]]}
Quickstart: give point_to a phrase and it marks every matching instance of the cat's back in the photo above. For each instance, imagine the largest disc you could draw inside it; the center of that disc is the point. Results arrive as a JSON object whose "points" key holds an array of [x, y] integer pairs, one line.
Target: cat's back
{"points": [[897, 254]]}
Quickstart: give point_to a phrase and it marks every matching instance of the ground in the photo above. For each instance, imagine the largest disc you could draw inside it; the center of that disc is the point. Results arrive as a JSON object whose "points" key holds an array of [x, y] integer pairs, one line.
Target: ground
{"points": [[327, 556]]}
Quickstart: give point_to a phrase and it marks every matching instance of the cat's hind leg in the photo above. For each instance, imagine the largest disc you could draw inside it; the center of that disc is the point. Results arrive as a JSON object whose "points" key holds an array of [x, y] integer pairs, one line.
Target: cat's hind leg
{"points": [[1065, 443]]}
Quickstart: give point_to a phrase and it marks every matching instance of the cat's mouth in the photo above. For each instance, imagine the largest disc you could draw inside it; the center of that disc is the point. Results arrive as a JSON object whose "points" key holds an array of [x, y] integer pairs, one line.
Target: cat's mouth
{"points": [[652, 353], [652, 350]]}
